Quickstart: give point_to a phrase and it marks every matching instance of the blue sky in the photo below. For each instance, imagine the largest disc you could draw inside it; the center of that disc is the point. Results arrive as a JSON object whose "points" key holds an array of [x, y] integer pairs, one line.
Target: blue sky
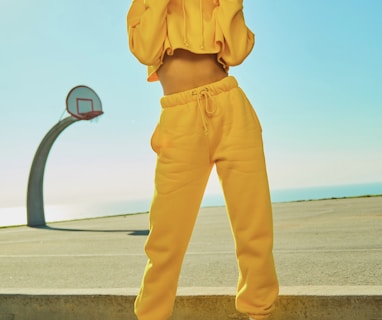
{"points": [[314, 78]]}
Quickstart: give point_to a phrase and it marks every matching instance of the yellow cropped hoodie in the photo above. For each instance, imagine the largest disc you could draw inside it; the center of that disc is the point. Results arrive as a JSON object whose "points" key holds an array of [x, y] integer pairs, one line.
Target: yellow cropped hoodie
{"points": [[158, 27]]}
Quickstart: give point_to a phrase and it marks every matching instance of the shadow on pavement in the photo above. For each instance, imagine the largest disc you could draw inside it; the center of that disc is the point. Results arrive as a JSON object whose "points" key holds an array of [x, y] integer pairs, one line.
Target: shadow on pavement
{"points": [[143, 232]]}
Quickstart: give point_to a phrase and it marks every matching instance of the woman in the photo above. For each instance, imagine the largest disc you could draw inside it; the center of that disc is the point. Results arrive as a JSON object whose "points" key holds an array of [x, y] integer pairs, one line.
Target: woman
{"points": [[206, 120]]}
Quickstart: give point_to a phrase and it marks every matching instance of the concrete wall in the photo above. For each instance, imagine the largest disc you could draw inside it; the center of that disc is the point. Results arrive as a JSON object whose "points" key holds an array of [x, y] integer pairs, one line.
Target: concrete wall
{"points": [[189, 306]]}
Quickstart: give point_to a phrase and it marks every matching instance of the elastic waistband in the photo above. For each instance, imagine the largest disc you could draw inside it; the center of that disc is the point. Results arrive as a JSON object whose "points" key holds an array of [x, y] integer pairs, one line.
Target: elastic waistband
{"points": [[213, 88]]}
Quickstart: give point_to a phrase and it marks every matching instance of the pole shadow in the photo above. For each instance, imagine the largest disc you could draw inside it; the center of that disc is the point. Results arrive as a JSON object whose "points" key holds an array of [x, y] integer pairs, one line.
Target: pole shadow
{"points": [[142, 232]]}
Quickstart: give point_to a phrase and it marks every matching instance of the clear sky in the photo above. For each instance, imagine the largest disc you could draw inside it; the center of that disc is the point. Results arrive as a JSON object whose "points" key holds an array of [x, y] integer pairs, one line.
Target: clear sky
{"points": [[314, 78]]}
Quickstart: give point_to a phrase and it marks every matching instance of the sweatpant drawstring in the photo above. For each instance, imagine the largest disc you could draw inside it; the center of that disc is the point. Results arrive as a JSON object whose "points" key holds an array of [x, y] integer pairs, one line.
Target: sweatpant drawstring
{"points": [[207, 109]]}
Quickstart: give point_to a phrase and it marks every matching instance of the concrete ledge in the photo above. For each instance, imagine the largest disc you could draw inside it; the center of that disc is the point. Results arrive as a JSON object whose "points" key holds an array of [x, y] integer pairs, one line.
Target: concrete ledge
{"points": [[296, 303]]}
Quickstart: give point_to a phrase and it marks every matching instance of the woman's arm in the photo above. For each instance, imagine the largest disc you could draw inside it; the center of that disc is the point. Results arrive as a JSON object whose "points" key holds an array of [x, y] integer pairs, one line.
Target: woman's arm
{"points": [[146, 22], [238, 39]]}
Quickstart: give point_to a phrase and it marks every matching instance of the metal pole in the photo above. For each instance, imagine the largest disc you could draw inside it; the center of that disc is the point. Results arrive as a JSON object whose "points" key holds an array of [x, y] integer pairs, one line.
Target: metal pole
{"points": [[35, 192]]}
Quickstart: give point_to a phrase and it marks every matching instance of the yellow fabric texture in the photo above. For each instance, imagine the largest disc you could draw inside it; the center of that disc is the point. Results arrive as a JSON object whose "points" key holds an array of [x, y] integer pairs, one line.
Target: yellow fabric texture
{"points": [[200, 128], [158, 27]]}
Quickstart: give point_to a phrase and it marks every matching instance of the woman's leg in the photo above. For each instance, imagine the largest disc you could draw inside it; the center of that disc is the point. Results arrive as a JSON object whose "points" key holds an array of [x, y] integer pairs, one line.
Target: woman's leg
{"points": [[182, 171], [241, 168]]}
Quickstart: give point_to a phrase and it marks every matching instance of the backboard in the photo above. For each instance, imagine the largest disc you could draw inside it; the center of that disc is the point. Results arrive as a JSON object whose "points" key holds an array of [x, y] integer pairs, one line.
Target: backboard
{"points": [[83, 103]]}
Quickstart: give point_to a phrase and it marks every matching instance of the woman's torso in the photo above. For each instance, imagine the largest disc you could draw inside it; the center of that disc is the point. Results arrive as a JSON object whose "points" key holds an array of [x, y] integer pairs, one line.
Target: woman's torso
{"points": [[185, 70]]}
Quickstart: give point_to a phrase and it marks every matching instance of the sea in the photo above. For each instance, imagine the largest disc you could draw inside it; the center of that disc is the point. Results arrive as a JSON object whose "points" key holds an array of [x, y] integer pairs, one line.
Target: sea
{"points": [[15, 216]]}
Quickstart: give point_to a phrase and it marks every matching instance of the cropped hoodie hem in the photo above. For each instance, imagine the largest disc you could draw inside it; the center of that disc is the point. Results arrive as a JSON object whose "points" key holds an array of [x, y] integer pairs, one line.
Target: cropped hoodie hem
{"points": [[159, 27]]}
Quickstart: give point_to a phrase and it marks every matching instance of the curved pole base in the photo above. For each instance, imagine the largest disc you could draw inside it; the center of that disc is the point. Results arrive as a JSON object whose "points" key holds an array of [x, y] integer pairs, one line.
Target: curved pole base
{"points": [[35, 196]]}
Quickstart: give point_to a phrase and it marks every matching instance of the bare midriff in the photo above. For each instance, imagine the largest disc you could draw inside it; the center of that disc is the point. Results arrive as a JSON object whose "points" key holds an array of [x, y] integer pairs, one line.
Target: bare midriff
{"points": [[185, 70]]}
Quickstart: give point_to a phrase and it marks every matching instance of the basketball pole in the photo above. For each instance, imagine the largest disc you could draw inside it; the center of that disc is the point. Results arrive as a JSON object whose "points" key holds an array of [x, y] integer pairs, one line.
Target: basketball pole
{"points": [[35, 192]]}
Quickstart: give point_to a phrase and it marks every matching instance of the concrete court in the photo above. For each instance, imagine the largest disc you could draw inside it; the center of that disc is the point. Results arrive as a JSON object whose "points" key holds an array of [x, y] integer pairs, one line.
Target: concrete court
{"points": [[328, 255]]}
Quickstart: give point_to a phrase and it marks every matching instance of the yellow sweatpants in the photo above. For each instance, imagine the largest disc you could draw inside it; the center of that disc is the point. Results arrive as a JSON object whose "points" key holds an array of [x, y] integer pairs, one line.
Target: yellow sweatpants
{"points": [[211, 125]]}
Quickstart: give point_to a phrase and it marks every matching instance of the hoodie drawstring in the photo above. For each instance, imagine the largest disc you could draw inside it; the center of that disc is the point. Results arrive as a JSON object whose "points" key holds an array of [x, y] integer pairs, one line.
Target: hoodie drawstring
{"points": [[184, 23], [201, 24], [185, 40]]}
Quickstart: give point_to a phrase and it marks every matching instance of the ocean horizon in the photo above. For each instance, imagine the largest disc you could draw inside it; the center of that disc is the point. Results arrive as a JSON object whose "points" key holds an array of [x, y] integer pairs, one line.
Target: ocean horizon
{"points": [[14, 216]]}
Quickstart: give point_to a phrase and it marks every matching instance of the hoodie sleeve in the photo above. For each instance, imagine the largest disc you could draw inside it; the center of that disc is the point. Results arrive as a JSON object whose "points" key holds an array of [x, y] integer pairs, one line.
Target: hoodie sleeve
{"points": [[235, 39], [146, 27]]}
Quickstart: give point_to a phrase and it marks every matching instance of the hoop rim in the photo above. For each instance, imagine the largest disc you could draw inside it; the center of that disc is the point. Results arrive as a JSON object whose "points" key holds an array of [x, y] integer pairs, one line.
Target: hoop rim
{"points": [[88, 115]]}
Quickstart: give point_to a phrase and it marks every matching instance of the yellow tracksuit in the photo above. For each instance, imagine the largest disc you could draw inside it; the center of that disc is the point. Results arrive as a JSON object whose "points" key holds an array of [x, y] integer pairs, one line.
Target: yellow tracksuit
{"points": [[211, 125], [158, 27], [199, 128]]}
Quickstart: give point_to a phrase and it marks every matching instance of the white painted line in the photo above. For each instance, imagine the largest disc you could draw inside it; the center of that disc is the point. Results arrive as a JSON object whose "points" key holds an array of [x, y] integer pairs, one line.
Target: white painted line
{"points": [[201, 291], [201, 253]]}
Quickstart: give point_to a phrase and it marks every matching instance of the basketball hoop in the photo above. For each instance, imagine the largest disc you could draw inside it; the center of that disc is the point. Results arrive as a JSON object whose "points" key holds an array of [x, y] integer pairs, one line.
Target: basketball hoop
{"points": [[83, 103]]}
